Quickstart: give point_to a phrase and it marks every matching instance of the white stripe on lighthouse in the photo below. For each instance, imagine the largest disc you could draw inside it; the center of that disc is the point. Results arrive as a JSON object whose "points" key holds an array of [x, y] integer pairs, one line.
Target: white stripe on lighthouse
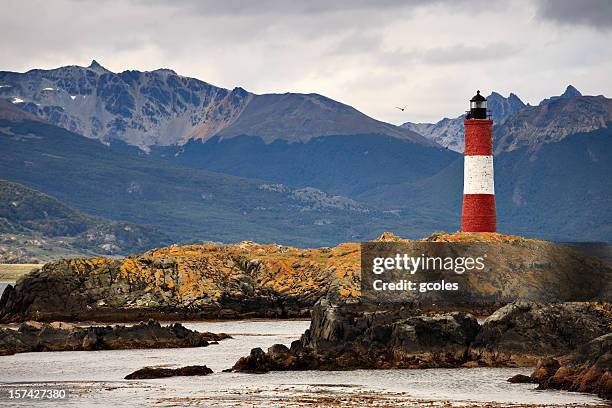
{"points": [[478, 175]]}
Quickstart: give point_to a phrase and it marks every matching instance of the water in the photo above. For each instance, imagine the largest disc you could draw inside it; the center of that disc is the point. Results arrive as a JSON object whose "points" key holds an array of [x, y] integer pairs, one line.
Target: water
{"points": [[96, 378]]}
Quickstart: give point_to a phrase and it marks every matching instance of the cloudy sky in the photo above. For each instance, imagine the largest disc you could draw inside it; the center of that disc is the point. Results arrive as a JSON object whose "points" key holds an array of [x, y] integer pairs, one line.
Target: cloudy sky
{"points": [[429, 56]]}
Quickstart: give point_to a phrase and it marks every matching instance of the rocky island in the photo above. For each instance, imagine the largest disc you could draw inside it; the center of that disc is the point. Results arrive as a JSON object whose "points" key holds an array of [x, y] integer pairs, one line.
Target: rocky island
{"points": [[160, 372], [268, 280], [59, 336]]}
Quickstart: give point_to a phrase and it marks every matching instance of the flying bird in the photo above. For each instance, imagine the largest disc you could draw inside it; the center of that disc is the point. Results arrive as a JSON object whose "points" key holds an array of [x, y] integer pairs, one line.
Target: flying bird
{"points": [[402, 109]]}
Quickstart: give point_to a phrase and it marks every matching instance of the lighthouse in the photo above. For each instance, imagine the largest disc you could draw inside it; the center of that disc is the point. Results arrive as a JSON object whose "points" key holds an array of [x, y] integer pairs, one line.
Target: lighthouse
{"points": [[478, 212]]}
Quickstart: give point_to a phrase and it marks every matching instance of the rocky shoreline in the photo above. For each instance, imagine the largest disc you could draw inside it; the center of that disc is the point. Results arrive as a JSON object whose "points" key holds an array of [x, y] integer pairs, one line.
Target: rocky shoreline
{"points": [[588, 369], [60, 336], [343, 337], [567, 339]]}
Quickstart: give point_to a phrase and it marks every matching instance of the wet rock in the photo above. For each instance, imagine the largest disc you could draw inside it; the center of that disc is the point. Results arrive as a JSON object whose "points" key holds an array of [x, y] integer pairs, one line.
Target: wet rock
{"points": [[521, 333], [36, 336], [91, 341], [588, 369], [519, 379], [155, 372], [350, 336], [257, 362], [546, 368], [347, 337]]}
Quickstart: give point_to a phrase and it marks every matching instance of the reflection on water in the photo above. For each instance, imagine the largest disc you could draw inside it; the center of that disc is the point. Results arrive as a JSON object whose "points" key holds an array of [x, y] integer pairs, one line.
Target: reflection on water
{"points": [[96, 378]]}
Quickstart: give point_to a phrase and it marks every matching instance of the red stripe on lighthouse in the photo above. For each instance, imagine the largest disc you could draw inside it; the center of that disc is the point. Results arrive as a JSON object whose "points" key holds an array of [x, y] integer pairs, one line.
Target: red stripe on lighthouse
{"points": [[478, 213], [478, 140]]}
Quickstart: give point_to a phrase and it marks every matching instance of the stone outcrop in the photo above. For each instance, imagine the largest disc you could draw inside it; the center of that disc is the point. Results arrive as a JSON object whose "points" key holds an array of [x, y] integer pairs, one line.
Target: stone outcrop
{"points": [[190, 282], [59, 336], [588, 369], [520, 333], [158, 372], [351, 336], [519, 379], [347, 337], [254, 280]]}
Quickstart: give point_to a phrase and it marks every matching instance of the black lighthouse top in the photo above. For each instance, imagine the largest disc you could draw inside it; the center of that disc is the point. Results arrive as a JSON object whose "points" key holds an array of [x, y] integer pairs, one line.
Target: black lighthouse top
{"points": [[478, 107]]}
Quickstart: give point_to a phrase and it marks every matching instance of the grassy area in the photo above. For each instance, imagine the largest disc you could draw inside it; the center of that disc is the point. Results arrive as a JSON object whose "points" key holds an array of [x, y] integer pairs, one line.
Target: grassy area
{"points": [[12, 272]]}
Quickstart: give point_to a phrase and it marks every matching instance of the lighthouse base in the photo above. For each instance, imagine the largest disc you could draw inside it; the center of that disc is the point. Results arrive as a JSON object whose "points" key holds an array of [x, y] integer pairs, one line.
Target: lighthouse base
{"points": [[478, 214]]}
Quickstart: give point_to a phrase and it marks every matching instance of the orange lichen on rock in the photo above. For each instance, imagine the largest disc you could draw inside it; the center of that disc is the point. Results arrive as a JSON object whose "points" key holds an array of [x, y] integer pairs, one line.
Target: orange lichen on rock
{"points": [[209, 271], [476, 237]]}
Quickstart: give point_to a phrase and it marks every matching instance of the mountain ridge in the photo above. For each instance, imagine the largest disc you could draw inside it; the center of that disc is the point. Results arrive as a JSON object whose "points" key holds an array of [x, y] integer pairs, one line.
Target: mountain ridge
{"points": [[517, 124], [553, 121], [449, 132], [162, 108]]}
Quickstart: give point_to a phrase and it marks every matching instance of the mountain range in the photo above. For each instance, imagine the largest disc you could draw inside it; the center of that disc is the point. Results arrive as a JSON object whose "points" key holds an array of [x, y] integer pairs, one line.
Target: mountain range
{"points": [[569, 114], [449, 132], [161, 108], [199, 162]]}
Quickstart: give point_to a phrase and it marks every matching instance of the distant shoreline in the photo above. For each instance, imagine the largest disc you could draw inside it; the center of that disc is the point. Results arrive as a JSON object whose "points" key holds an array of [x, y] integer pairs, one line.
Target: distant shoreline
{"points": [[9, 273]]}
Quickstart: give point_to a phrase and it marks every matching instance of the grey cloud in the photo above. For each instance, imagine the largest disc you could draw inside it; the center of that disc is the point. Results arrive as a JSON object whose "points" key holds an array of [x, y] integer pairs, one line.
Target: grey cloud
{"points": [[471, 54], [356, 42], [452, 54], [592, 13], [284, 7]]}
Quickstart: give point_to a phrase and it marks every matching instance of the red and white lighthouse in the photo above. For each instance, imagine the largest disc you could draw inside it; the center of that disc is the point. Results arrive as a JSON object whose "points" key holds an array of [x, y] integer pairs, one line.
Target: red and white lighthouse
{"points": [[478, 213]]}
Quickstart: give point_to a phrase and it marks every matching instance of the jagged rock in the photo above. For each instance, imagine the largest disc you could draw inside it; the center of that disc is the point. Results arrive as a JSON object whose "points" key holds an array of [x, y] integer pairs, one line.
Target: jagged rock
{"points": [[199, 281], [154, 372], [91, 341], [36, 336], [257, 362], [546, 368], [588, 369], [350, 336], [520, 333], [519, 379]]}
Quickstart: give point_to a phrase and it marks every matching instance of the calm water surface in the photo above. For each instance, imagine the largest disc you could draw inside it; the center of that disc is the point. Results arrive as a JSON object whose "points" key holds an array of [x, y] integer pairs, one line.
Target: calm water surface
{"points": [[96, 378]]}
